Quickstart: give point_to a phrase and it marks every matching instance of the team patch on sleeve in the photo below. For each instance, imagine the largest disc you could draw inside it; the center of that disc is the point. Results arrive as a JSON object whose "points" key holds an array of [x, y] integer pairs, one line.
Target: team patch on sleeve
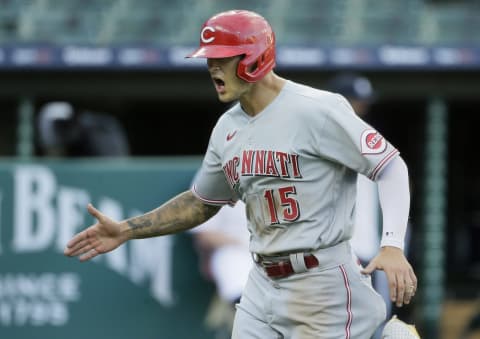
{"points": [[372, 142]]}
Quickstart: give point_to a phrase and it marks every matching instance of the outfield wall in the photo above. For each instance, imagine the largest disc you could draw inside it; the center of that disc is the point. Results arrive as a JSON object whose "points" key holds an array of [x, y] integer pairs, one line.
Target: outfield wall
{"points": [[145, 289]]}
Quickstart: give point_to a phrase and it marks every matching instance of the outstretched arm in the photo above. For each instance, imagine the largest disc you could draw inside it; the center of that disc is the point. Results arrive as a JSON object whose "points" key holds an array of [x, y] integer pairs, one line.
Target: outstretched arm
{"points": [[178, 214]]}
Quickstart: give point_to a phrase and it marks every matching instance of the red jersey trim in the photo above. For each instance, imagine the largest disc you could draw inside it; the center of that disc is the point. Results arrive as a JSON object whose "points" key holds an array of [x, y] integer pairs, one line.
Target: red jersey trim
{"points": [[211, 201], [382, 164], [348, 323]]}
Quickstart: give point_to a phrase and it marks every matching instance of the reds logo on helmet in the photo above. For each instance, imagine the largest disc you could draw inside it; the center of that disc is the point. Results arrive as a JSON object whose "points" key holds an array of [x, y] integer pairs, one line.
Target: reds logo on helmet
{"points": [[206, 31], [372, 142]]}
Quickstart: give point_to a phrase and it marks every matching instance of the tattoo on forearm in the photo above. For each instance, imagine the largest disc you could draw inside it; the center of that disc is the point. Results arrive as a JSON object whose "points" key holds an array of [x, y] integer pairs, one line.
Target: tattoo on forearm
{"points": [[139, 223], [181, 213]]}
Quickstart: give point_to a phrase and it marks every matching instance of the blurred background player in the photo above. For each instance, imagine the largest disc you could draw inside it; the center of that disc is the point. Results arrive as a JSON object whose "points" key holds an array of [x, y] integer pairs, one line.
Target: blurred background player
{"points": [[222, 245], [66, 131]]}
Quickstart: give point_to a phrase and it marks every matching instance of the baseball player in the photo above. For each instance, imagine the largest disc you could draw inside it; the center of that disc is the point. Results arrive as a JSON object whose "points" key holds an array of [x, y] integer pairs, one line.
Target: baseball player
{"points": [[292, 154]]}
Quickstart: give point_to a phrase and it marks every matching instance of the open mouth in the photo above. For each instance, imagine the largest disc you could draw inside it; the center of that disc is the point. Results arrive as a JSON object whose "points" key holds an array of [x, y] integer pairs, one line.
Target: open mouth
{"points": [[219, 84]]}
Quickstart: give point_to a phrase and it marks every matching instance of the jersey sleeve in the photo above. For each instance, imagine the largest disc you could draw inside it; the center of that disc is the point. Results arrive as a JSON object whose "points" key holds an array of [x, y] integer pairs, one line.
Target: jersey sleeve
{"points": [[228, 218], [347, 139], [210, 184]]}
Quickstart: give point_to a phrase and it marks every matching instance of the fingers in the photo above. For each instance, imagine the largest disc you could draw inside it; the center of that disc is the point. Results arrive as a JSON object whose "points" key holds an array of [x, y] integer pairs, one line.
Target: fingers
{"points": [[369, 269], [405, 293], [403, 287], [76, 242], [73, 248], [411, 288], [401, 278], [372, 266], [392, 283], [400, 291], [82, 236], [414, 280], [89, 255], [409, 293], [83, 247], [82, 244]]}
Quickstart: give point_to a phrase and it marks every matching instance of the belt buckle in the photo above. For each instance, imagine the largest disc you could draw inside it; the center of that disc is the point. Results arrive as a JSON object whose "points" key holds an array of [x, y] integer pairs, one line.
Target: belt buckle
{"points": [[280, 263], [261, 261], [267, 263]]}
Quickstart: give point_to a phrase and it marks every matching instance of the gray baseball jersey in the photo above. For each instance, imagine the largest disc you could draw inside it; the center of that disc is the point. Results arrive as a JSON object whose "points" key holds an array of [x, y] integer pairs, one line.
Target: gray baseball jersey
{"points": [[295, 166]]}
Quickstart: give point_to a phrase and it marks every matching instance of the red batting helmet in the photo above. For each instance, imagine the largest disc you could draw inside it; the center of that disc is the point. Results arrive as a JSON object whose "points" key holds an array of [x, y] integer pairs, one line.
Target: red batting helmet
{"points": [[239, 32]]}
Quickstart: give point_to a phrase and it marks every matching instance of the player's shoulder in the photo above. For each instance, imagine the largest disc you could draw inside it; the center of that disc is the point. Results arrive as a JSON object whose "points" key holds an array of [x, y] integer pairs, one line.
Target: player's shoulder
{"points": [[233, 118], [312, 94], [233, 112], [308, 91], [312, 100]]}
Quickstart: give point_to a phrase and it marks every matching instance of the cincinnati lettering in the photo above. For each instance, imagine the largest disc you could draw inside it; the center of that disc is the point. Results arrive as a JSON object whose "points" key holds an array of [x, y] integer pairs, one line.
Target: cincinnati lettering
{"points": [[262, 163]]}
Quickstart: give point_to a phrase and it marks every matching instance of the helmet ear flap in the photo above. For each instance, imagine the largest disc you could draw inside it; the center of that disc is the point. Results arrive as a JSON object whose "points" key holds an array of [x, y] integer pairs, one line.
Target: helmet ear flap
{"points": [[254, 67]]}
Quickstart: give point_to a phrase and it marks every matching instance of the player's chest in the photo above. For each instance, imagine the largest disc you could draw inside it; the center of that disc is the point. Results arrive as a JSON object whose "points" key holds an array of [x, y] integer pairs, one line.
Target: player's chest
{"points": [[267, 135], [253, 155]]}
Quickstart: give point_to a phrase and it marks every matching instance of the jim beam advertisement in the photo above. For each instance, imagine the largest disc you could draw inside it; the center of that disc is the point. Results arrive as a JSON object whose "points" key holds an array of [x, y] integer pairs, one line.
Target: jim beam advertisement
{"points": [[45, 294]]}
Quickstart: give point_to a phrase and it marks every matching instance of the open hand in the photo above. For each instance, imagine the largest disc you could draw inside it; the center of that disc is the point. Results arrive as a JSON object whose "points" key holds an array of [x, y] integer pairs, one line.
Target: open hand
{"points": [[104, 236]]}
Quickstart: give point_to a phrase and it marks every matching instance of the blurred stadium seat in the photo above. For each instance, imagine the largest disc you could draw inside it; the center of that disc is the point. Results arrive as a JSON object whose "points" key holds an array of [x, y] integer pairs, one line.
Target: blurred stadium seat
{"points": [[9, 19], [388, 22], [311, 21], [345, 22], [65, 27], [152, 21], [456, 23]]}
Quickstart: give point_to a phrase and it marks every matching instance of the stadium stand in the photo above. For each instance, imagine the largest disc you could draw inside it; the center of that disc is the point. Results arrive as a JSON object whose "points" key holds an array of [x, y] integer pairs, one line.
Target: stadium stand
{"points": [[455, 23], [312, 22], [346, 22], [389, 22], [153, 22], [9, 18]]}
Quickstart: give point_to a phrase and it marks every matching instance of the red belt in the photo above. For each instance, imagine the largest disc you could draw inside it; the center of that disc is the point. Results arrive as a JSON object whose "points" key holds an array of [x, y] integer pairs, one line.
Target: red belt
{"points": [[281, 268]]}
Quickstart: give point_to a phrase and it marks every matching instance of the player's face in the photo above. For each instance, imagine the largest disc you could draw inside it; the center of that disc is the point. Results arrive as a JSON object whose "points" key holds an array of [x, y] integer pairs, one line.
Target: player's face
{"points": [[228, 85]]}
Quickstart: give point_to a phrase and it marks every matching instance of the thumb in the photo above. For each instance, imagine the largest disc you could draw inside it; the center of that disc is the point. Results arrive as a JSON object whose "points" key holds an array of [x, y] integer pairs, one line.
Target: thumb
{"points": [[370, 268], [94, 212]]}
